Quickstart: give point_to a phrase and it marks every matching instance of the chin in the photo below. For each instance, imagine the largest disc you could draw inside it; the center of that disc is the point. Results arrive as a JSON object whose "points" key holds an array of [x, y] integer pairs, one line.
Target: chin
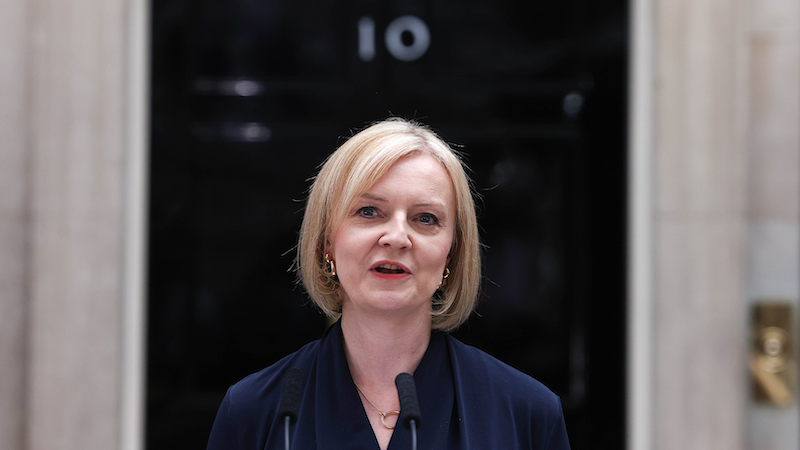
{"points": [[394, 302]]}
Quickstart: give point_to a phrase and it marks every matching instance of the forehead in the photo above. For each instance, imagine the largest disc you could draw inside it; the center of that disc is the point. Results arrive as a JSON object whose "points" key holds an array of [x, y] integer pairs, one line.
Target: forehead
{"points": [[417, 174]]}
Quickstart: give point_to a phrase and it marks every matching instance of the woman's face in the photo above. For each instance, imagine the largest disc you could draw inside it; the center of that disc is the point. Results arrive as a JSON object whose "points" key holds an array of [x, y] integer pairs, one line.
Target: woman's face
{"points": [[392, 247]]}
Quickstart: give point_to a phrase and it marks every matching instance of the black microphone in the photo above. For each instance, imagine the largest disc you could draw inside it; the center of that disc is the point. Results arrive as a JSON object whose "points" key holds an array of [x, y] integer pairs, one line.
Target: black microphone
{"points": [[410, 415], [290, 401]]}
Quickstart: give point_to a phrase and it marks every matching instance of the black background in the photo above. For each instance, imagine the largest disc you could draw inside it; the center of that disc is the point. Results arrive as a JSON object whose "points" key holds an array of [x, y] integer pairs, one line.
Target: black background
{"points": [[248, 98]]}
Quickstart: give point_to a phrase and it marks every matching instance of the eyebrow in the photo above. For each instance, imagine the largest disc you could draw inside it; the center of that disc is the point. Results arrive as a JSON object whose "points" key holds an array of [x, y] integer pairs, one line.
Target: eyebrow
{"points": [[372, 197], [379, 198]]}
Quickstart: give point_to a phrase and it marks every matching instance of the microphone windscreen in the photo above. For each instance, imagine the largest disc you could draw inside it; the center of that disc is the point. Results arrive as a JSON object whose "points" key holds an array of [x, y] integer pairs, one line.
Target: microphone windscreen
{"points": [[290, 396], [409, 403]]}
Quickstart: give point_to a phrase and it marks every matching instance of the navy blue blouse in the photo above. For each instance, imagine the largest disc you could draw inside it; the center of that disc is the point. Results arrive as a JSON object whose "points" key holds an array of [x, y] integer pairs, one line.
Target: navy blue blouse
{"points": [[468, 400]]}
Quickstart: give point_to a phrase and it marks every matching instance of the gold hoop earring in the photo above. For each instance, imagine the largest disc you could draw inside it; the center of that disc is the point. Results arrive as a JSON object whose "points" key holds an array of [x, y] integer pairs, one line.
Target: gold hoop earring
{"points": [[330, 266], [445, 276]]}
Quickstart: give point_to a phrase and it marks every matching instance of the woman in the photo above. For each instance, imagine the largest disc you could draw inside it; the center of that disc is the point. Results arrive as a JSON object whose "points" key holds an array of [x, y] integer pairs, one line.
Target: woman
{"points": [[390, 242]]}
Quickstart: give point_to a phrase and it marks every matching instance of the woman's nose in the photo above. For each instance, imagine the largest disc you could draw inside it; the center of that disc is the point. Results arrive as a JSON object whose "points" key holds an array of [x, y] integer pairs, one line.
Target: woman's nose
{"points": [[395, 234]]}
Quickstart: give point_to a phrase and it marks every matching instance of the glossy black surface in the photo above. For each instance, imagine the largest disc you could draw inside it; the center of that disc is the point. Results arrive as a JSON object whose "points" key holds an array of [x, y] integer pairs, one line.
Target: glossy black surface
{"points": [[248, 98]]}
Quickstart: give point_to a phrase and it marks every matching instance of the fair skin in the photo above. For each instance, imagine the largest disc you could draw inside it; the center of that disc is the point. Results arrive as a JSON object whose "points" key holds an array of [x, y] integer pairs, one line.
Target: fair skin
{"points": [[390, 254]]}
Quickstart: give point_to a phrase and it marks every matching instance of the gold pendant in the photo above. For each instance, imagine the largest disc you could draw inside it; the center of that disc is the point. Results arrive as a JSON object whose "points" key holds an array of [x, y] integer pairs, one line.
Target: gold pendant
{"points": [[384, 414]]}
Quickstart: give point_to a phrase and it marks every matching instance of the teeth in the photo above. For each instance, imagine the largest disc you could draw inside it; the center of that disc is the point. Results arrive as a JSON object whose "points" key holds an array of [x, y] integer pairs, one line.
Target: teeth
{"points": [[389, 268]]}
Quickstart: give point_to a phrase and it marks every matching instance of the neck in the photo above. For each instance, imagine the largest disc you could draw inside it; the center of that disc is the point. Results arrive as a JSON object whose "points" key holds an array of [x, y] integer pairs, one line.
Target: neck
{"points": [[379, 349]]}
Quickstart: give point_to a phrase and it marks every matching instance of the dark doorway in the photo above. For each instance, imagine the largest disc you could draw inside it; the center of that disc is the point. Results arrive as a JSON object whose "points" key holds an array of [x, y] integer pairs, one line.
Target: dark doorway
{"points": [[248, 99]]}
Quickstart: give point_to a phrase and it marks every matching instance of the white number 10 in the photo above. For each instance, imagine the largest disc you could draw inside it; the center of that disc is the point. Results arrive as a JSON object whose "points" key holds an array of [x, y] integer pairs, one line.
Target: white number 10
{"points": [[393, 38]]}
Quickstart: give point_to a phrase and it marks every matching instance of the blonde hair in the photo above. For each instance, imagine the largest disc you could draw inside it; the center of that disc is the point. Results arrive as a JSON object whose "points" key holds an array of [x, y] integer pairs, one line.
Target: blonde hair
{"points": [[350, 172]]}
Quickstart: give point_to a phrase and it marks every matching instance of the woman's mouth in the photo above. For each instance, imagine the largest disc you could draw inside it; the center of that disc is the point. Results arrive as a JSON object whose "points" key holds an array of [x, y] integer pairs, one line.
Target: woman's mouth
{"points": [[389, 269]]}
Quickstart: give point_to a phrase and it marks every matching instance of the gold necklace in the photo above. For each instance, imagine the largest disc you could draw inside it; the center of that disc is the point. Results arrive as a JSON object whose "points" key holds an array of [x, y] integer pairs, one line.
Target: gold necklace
{"points": [[382, 413]]}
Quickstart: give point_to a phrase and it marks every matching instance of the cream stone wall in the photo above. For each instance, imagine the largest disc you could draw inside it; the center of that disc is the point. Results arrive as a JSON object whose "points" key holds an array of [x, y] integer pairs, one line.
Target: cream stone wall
{"points": [[715, 161], [774, 190]]}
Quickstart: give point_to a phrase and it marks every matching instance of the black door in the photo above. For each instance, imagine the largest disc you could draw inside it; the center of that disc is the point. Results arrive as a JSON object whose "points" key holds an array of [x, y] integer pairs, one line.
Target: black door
{"points": [[249, 97]]}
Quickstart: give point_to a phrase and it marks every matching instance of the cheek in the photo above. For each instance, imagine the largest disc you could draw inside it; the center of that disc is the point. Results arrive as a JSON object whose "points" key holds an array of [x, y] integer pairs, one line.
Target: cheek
{"points": [[342, 240], [440, 255], [349, 246]]}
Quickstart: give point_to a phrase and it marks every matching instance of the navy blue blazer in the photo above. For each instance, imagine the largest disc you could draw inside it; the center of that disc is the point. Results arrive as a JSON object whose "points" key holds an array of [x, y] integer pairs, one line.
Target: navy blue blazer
{"points": [[468, 400]]}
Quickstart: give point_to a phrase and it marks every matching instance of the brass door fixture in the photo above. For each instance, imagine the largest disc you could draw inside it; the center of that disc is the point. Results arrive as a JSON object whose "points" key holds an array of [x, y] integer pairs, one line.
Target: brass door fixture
{"points": [[772, 363]]}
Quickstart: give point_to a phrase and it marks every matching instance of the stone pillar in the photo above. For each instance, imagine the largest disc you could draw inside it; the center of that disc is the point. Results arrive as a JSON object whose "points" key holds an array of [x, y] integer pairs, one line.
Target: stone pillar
{"points": [[699, 204], [688, 209], [13, 221], [71, 223]]}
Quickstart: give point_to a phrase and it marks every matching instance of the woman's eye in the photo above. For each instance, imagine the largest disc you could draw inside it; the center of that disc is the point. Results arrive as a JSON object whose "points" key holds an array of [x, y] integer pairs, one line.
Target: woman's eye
{"points": [[367, 211], [428, 219]]}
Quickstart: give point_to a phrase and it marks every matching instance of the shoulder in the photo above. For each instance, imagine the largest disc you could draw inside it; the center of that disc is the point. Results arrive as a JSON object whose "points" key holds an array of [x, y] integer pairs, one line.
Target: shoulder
{"points": [[254, 389], [251, 404], [502, 381], [519, 411]]}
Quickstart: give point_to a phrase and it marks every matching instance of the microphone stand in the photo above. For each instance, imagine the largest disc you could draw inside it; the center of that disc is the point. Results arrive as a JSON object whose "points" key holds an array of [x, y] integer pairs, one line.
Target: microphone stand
{"points": [[289, 407], [286, 422], [413, 434]]}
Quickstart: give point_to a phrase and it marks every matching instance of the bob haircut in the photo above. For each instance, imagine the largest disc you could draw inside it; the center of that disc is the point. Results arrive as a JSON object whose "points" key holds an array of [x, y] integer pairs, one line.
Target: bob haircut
{"points": [[351, 171]]}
